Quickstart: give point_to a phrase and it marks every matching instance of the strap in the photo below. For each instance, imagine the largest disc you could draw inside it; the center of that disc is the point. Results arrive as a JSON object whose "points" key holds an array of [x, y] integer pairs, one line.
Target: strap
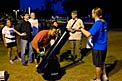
{"points": [[74, 23]]}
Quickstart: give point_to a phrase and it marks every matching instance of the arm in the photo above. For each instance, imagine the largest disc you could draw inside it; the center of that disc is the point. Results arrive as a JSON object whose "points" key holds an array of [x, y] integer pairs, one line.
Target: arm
{"points": [[86, 33], [3, 36], [36, 47], [81, 24], [94, 29], [68, 26], [36, 40], [21, 34]]}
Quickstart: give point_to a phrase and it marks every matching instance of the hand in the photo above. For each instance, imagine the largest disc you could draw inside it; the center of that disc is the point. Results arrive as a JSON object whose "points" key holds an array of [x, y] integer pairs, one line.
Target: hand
{"points": [[23, 34], [5, 44], [80, 27], [79, 30], [72, 30]]}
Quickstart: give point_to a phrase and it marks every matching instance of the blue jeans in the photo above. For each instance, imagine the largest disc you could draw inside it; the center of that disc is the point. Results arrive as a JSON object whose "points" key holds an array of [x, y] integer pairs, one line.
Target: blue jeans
{"points": [[26, 44]]}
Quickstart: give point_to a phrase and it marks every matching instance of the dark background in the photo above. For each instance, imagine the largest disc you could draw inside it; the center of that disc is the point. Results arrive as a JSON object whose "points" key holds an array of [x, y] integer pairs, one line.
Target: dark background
{"points": [[84, 7]]}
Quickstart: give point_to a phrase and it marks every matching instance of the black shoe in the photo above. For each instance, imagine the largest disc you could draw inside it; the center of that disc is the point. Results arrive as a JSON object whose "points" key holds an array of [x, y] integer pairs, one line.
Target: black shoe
{"points": [[24, 64]]}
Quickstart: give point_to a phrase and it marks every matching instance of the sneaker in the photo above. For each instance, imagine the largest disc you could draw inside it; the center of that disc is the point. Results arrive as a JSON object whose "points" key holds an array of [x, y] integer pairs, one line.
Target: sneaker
{"points": [[11, 62], [36, 65], [94, 80], [104, 78], [19, 59]]}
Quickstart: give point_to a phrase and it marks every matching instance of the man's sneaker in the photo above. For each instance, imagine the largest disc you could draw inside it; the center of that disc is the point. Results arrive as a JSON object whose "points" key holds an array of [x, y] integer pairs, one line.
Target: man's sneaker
{"points": [[94, 80], [11, 62], [104, 78]]}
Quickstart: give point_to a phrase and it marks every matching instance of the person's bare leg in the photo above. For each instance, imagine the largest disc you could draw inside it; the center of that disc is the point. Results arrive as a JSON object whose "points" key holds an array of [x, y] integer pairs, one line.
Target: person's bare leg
{"points": [[9, 53], [104, 74], [104, 70], [98, 73], [16, 52]]}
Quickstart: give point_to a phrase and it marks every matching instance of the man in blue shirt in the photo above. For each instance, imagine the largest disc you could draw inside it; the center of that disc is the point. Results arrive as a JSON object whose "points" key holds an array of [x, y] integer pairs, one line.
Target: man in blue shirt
{"points": [[98, 33]]}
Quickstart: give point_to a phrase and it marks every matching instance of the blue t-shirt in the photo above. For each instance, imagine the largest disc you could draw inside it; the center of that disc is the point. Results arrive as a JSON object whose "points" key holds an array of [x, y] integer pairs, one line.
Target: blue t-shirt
{"points": [[99, 35]]}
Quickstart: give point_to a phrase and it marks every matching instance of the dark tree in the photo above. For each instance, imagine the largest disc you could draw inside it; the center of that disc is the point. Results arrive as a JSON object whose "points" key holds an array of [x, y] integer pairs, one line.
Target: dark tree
{"points": [[85, 7], [8, 5]]}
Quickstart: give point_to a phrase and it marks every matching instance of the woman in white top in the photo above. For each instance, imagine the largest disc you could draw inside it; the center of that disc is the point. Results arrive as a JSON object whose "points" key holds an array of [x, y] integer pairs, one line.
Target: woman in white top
{"points": [[9, 39], [34, 24]]}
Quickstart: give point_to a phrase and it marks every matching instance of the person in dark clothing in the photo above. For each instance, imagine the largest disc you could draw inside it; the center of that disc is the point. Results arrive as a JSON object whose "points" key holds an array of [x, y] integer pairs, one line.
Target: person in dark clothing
{"points": [[25, 27]]}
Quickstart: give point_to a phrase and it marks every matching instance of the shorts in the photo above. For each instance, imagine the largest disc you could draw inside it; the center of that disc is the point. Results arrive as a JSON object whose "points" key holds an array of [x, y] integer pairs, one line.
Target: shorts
{"points": [[12, 44], [99, 57]]}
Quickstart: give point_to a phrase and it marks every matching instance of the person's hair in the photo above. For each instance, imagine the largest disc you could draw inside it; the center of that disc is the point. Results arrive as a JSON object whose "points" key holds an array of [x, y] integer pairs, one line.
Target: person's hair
{"points": [[74, 11], [25, 13], [51, 28], [32, 12], [54, 21], [5, 20], [98, 11]]}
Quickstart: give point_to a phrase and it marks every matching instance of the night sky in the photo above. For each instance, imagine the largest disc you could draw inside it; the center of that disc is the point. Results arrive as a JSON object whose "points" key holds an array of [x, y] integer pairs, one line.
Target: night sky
{"points": [[31, 3], [84, 7], [40, 4]]}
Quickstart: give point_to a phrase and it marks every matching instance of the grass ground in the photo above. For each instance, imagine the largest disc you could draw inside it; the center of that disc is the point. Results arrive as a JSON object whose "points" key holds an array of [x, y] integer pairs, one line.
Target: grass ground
{"points": [[80, 72]]}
